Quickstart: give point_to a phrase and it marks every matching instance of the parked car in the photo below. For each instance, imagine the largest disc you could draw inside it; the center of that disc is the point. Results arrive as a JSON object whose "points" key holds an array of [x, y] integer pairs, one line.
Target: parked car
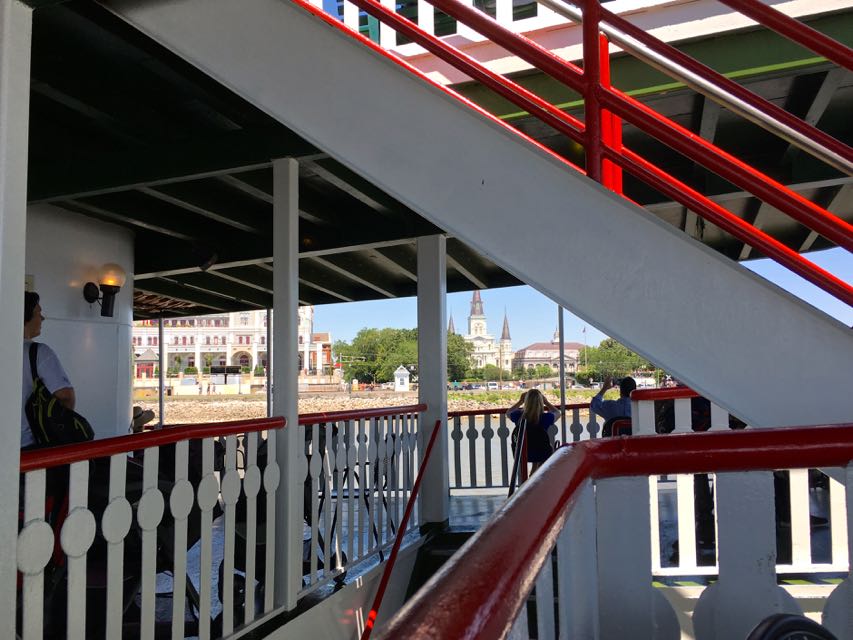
{"points": [[492, 386]]}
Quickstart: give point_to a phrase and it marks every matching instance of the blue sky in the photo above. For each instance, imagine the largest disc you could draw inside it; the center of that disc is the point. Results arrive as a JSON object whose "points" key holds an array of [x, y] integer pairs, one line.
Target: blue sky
{"points": [[538, 321]]}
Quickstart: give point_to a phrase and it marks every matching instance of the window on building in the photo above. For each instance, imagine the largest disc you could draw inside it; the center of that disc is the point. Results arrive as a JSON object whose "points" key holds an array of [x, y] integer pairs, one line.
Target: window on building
{"points": [[215, 339], [244, 319], [207, 340], [183, 340]]}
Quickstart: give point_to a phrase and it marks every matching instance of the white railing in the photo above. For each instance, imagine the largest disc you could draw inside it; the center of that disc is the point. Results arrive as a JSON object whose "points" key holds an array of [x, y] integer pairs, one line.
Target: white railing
{"points": [[575, 545], [107, 526], [480, 450], [359, 468], [808, 539]]}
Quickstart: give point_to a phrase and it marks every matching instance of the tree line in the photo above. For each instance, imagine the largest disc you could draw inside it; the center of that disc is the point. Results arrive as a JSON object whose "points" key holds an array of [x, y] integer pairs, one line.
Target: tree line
{"points": [[374, 355]]}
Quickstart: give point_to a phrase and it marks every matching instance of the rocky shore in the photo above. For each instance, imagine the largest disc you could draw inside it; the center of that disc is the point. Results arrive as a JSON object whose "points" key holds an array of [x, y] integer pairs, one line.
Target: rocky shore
{"points": [[180, 410]]}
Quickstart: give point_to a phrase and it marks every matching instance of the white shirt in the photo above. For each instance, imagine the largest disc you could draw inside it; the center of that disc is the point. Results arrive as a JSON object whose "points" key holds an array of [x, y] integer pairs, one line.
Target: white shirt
{"points": [[52, 374]]}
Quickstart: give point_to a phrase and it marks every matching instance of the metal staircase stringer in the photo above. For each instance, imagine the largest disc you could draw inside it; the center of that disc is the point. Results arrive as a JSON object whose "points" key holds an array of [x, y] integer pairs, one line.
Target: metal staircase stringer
{"points": [[751, 347]]}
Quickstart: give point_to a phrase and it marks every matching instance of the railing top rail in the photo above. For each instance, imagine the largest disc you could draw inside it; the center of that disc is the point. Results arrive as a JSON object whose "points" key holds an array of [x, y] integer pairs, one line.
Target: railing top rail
{"points": [[482, 412], [358, 414], [480, 598], [71, 453], [666, 393]]}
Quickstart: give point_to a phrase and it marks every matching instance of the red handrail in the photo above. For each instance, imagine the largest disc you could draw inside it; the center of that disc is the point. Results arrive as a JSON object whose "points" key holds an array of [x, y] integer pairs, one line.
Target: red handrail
{"points": [[71, 453], [679, 138], [358, 414], [672, 134], [481, 589], [667, 393], [398, 538], [739, 91]]}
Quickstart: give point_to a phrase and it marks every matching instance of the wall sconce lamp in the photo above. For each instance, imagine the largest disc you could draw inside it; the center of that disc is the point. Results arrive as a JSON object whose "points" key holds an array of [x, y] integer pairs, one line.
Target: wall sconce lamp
{"points": [[109, 283]]}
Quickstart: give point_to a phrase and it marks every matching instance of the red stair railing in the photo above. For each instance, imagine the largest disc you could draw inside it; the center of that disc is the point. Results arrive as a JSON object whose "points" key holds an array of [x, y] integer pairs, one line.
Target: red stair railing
{"points": [[605, 146], [479, 592]]}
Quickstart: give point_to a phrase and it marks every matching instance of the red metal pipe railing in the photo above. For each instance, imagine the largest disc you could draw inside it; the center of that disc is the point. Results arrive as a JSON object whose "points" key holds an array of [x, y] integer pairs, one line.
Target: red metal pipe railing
{"points": [[727, 221], [667, 393], [572, 76], [359, 414], [479, 597], [593, 118], [729, 167], [677, 137], [398, 538], [795, 30], [762, 105], [71, 453]]}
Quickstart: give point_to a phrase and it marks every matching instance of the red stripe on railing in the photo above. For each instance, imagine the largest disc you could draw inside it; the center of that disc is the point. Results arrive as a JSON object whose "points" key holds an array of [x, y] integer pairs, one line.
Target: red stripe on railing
{"points": [[359, 414], [667, 393], [742, 93], [367, 42], [729, 167], [672, 134], [68, 454], [398, 538], [679, 138], [481, 589], [795, 30], [515, 93]]}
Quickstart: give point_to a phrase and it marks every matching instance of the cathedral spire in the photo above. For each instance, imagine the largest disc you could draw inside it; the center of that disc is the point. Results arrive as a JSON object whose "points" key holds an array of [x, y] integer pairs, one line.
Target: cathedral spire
{"points": [[505, 332], [450, 328], [477, 304]]}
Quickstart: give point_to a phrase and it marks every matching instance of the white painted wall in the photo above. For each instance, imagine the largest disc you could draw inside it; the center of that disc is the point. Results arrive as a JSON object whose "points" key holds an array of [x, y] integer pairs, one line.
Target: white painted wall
{"points": [[64, 251]]}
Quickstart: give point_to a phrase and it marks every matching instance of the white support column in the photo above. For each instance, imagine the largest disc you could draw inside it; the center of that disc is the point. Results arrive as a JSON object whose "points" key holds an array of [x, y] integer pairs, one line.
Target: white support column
{"points": [[15, 40], [288, 512], [432, 375], [269, 363], [163, 367], [319, 351]]}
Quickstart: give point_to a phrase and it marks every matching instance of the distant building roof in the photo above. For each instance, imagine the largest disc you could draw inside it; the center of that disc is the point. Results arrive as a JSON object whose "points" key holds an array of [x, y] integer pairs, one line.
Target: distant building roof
{"points": [[148, 356], [551, 346], [321, 337]]}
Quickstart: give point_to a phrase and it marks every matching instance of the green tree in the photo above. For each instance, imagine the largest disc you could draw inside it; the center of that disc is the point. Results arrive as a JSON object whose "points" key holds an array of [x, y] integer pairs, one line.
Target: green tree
{"points": [[458, 357], [609, 359], [374, 355]]}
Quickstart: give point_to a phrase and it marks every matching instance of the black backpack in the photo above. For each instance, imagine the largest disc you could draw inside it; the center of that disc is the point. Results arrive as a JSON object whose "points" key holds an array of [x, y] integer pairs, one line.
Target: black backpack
{"points": [[52, 423]]}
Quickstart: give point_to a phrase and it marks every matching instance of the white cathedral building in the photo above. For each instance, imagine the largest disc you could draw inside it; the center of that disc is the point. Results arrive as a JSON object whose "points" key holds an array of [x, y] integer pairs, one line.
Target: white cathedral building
{"points": [[487, 350]]}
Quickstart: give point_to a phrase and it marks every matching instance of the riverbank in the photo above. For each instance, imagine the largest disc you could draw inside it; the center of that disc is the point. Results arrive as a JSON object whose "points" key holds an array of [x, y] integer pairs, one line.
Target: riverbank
{"points": [[190, 409]]}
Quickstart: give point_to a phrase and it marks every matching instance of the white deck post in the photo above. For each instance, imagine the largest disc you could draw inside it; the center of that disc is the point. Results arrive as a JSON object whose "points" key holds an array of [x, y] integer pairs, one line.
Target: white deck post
{"points": [[432, 375], [288, 512], [15, 38]]}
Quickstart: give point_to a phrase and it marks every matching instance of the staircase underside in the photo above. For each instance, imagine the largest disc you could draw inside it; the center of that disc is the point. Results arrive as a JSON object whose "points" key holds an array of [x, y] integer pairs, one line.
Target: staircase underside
{"points": [[175, 155], [426, 162]]}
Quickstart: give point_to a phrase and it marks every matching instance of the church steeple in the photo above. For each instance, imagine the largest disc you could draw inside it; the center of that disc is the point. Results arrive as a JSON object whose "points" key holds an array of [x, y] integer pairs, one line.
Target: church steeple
{"points": [[450, 328], [477, 304], [505, 332]]}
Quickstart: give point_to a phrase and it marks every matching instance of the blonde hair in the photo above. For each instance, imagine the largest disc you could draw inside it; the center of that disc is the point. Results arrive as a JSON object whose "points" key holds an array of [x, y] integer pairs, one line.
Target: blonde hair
{"points": [[534, 406]]}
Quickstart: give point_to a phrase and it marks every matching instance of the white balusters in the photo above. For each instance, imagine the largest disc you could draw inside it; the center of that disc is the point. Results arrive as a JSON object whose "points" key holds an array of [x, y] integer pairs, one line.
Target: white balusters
{"points": [[78, 533], [314, 467], [115, 525], [251, 487], [364, 472], [272, 477], [181, 502], [208, 496], [149, 512], [35, 546], [230, 490], [838, 612], [426, 16], [801, 548]]}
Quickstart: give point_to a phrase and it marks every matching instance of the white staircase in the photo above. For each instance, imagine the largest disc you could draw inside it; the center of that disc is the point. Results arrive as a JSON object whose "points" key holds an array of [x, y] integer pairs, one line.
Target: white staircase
{"points": [[749, 346]]}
